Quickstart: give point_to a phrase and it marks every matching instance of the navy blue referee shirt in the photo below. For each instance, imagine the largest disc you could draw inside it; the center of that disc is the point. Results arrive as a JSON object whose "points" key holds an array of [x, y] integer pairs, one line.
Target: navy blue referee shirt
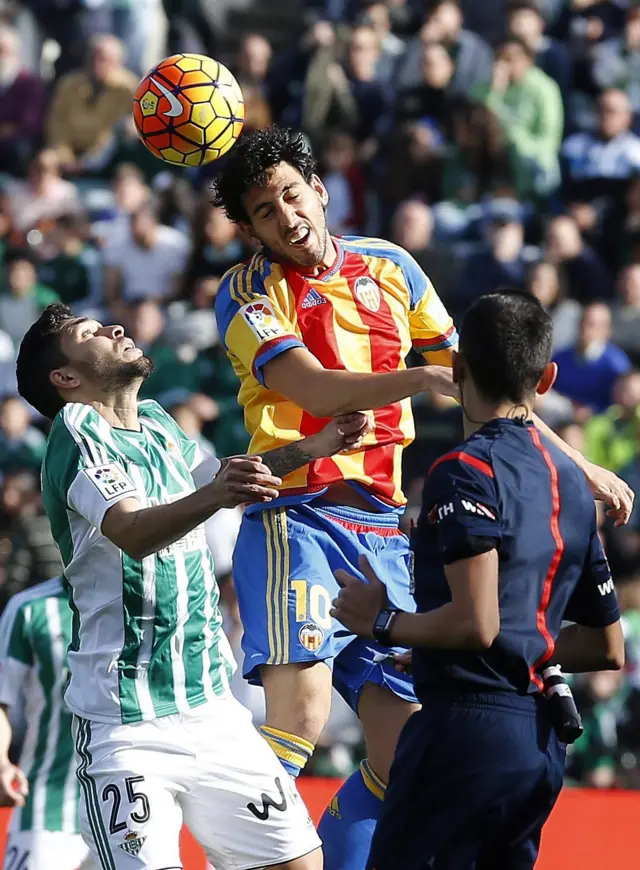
{"points": [[510, 488]]}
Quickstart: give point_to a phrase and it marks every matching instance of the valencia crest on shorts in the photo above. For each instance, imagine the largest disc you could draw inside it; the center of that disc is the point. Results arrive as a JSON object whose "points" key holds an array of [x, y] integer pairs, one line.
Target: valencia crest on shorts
{"points": [[311, 636]]}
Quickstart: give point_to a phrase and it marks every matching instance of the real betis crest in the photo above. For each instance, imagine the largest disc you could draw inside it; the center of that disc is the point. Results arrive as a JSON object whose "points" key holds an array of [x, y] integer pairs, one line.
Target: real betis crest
{"points": [[133, 842]]}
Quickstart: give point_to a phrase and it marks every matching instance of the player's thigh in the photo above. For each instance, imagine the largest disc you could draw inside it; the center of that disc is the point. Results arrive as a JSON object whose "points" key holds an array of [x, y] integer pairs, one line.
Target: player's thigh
{"points": [[44, 850], [383, 714], [298, 697], [244, 809], [129, 777]]}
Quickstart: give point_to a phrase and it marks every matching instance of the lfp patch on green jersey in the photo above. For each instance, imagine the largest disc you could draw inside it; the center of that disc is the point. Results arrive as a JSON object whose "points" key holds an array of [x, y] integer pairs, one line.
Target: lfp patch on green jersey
{"points": [[147, 634], [35, 631]]}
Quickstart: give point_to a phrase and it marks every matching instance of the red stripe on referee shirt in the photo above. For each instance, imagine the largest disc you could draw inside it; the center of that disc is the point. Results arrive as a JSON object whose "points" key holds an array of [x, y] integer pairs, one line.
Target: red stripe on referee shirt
{"points": [[385, 346], [318, 334], [541, 616], [478, 464]]}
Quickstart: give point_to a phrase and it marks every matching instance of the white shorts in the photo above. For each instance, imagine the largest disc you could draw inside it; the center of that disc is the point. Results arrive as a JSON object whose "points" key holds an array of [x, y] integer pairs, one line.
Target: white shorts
{"points": [[208, 768], [46, 850]]}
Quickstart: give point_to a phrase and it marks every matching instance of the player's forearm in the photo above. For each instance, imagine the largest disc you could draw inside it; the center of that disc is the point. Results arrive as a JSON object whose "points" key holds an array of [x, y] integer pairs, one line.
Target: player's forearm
{"points": [[140, 533], [582, 650], [331, 393], [443, 628], [283, 460], [571, 452], [5, 738]]}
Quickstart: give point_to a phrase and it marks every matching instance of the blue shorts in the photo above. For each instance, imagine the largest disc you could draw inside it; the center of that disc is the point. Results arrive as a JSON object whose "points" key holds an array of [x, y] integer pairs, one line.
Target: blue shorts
{"points": [[472, 783], [283, 568]]}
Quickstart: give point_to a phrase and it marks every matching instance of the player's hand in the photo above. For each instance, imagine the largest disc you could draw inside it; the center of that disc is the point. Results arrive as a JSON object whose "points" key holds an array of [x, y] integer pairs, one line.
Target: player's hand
{"points": [[243, 479], [402, 662], [440, 380], [14, 786], [614, 492], [358, 603], [343, 434]]}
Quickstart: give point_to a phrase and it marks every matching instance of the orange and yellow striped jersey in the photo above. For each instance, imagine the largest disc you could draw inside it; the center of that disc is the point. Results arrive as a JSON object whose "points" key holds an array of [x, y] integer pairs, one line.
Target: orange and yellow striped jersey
{"points": [[362, 315]]}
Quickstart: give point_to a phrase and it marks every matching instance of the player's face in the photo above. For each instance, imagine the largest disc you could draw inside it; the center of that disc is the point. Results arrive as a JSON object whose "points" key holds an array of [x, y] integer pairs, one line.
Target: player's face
{"points": [[100, 356], [288, 216]]}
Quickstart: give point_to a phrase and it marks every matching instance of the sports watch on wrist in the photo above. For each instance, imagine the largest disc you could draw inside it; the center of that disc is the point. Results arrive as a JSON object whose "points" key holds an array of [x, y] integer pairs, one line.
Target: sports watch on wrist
{"points": [[382, 625]]}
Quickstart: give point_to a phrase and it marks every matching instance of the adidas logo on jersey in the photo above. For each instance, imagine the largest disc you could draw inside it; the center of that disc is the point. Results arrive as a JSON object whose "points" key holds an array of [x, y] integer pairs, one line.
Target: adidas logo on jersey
{"points": [[312, 299]]}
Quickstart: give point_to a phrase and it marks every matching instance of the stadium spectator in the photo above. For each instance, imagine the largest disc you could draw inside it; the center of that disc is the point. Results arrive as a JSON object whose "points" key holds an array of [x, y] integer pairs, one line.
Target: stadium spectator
{"points": [[601, 163], [21, 444], [147, 261], [129, 193], [588, 371], [443, 23], [476, 162], [526, 22], [361, 104], [44, 195], [587, 277], [429, 99], [22, 296], [545, 280], [501, 262], [345, 180], [251, 70], [625, 325], [616, 63], [22, 107], [25, 534], [529, 106], [86, 106], [612, 439], [215, 246], [71, 270], [379, 17], [412, 228]]}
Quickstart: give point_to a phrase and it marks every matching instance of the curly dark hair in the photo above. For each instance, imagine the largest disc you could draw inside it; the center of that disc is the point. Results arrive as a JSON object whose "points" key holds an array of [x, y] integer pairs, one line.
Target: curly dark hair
{"points": [[40, 353], [249, 162]]}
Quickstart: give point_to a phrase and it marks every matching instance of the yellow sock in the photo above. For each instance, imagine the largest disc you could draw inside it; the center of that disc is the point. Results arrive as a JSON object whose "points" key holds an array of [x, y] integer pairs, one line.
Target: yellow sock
{"points": [[293, 751]]}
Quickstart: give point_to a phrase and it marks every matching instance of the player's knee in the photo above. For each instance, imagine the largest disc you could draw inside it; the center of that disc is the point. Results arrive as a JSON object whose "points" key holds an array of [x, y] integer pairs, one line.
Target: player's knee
{"points": [[298, 698]]}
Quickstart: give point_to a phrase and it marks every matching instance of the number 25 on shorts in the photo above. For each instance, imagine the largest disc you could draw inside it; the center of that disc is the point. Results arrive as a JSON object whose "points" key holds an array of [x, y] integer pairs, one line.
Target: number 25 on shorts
{"points": [[313, 603]]}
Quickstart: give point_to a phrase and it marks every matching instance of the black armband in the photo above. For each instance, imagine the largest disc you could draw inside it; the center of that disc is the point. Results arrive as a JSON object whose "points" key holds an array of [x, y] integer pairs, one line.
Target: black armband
{"points": [[472, 546]]}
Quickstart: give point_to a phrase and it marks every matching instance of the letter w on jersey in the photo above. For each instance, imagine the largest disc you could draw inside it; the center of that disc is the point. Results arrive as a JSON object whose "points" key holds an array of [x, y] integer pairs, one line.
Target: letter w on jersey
{"points": [[268, 802], [606, 588]]}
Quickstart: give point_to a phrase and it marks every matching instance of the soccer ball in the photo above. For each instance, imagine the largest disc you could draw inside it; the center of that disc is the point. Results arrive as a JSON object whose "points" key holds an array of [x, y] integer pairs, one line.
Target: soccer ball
{"points": [[189, 109]]}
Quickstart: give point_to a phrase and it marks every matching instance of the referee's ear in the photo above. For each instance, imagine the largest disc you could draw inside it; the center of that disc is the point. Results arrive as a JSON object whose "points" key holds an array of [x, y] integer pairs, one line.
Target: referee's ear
{"points": [[548, 379]]}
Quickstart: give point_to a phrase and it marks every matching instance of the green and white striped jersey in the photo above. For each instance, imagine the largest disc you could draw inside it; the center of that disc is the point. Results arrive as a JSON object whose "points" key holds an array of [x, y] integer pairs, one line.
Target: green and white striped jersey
{"points": [[147, 634], [35, 631]]}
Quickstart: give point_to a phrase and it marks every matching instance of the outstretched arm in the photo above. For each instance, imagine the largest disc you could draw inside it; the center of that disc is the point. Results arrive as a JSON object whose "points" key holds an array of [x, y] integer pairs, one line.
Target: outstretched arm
{"points": [[344, 433], [297, 375], [604, 484]]}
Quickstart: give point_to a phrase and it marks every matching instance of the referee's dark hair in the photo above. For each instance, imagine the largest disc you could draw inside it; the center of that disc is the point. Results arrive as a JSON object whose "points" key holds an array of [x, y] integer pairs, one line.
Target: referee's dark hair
{"points": [[505, 341]]}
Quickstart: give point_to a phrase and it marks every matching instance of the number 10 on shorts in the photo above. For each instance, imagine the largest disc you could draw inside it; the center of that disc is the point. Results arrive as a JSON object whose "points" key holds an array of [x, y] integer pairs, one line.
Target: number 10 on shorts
{"points": [[313, 603]]}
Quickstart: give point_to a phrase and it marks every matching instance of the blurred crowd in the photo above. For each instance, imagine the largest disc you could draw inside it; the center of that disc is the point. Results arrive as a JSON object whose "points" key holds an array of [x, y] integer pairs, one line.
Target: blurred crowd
{"points": [[497, 141]]}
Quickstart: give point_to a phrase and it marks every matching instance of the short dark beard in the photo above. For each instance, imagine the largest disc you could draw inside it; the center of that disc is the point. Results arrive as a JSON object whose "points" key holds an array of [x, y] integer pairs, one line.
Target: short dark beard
{"points": [[112, 378]]}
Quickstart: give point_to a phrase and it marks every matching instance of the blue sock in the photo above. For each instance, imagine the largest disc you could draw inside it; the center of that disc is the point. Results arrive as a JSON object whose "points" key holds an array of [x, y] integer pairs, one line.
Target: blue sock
{"points": [[347, 826]]}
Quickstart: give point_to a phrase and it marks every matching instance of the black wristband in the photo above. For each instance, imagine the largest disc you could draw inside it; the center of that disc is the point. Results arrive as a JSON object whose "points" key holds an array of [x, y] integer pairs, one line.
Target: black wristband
{"points": [[382, 625]]}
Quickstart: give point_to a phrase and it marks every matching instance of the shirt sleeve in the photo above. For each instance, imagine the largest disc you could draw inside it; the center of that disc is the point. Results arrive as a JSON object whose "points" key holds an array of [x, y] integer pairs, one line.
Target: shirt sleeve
{"points": [[79, 472], [16, 657], [433, 333], [463, 504], [252, 324], [593, 602]]}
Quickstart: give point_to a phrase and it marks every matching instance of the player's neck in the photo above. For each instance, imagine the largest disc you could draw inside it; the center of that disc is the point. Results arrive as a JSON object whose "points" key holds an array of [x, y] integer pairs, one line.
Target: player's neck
{"points": [[120, 410], [478, 412]]}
